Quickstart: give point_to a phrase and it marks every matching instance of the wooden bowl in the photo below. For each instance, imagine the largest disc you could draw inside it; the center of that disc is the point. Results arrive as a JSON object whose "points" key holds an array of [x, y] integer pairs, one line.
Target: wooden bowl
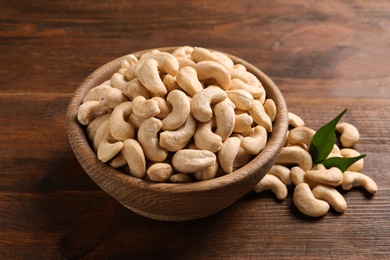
{"points": [[174, 201]]}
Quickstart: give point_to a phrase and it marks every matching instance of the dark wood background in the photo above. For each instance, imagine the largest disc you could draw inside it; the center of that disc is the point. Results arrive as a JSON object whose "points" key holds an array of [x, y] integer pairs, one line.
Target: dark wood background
{"points": [[324, 55]]}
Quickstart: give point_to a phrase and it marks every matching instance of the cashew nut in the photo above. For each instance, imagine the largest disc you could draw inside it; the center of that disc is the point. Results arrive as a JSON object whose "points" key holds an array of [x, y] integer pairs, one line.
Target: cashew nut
{"points": [[149, 76], [208, 173], [349, 134], [164, 106], [273, 183], [301, 135], [213, 70], [180, 178], [135, 88], [348, 153], [243, 123], [94, 125], [299, 176], [148, 138], [206, 139], [106, 95], [105, 145], [160, 172], [282, 172], [294, 120], [241, 98], [166, 62], [306, 203], [190, 160], [135, 158], [255, 91], [119, 81], [270, 108], [242, 158], [201, 101], [260, 116], [332, 176], [295, 155], [120, 129], [90, 110], [145, 107], [187, 79], [180, 110], [228, 152], [177, 139], [183, 51], [255, 141], [225, 119], [170, 83], [330, 195], [357, 179], [201, 54]]}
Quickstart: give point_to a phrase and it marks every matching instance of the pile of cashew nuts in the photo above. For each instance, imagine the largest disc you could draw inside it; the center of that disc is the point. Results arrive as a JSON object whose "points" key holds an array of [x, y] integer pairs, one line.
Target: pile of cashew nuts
{"points": [[190, 115], [316, 189]]}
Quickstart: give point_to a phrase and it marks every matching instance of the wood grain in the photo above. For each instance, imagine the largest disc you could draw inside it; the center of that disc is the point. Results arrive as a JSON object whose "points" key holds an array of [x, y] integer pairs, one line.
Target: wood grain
{"points": [[325, 56]]}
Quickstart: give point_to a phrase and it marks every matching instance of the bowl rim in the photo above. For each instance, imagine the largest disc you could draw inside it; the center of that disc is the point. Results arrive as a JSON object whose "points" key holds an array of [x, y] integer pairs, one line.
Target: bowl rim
{"points": [[88, 159]]}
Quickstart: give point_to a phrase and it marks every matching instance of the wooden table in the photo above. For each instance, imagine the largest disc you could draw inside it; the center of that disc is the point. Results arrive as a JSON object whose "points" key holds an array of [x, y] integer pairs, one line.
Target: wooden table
{"points": [[324, 55]]}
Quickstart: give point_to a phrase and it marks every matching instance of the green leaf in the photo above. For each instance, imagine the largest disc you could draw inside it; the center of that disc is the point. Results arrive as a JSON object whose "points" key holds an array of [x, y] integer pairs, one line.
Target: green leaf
{"points": [[341, 162], [323, 140]]}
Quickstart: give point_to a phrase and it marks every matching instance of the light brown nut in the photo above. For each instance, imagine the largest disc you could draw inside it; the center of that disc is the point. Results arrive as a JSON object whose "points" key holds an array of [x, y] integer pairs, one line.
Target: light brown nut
{"points": [[136, 120], [135, 158], [180, 178], [213, 70], [291, 155], [180, 110], [135, 88], [332, 176], [183, 51], [357, 179], [90, 110], [301, 135], [255, 91], [106, 95], [242, 158], [94, 125], [202, 101], [118, 161], [185, 62], [206, 139], [164, 106], [274, 184], [208, 173], [170, 83], [294, 120], [349, 134], [260, 116], [241, 98], [330, 195], [177, 139], [255, 141], [201, 54], [282, 172], [299, 176], [349, 153], [166, 62], [120, 129], [149, 76], [224, 59], [239, 72], [270, 108], [190, 160], [228, 153], [225, 119], [187, 79], [129, 73], [104, 144], [306, 203], [243, 123], [145, 107], [160, 172], [148, 138], [119, 81]]}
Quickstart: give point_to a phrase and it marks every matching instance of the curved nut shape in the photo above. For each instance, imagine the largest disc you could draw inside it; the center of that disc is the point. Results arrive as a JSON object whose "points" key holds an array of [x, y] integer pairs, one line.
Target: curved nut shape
{"points": [[213, 70], [164, 107], [201, 101], [105, 145], [183, 51], [255, 141], [260, 116], [225, 119], [241, 98], [94, 125], [177, 139], [243, 123], [120, 129], [274, 184], [166, 62], [239, 72], [270, 108], [330, 195], [184, 62], [187, 79], [135, 88], [305, 201], [282, 172], [348, 153], [148, 138], [295, 155], [332, 176], [228, 153], [180, 110], [206, 139], [294, 120], [106, 95], [180, 178], [145, 107], [149, 76], [135, 158], [170, 83], [119, 81], [191, 160], [90, 110], [160, 172], [298, 176], [201, 54], [357, 179], [255, 91], [301, 135], [242, 158], [118, 161], [208, 173], [349, 134]]}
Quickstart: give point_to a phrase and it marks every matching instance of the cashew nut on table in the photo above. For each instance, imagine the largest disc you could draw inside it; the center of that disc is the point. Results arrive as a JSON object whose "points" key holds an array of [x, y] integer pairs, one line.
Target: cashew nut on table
{"points": [[316, 189], [190, 115]]}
